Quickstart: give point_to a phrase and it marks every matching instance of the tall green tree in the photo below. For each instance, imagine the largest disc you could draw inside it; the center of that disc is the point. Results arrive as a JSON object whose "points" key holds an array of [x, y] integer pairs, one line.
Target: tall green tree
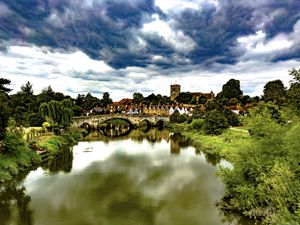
{"points": [[106, 100], [214, 122], [4, 109], [274, 91], [91, 101], [296, 75], [59, 113], [294, 91], [230, 90], [23, 103], [137, 98], [3, 83]]}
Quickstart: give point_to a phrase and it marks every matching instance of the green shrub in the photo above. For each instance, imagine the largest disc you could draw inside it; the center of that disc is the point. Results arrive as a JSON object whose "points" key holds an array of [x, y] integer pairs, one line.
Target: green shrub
{"points": [[174, 117], [214, 122], [232, 118], [264, 181], [197, 124], [46, 125], [56, 131], [182, 118]]}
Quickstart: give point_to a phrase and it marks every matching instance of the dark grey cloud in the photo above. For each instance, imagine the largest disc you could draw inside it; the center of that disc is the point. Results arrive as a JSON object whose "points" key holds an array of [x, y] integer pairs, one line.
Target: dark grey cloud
{"points": [[110, 29]]}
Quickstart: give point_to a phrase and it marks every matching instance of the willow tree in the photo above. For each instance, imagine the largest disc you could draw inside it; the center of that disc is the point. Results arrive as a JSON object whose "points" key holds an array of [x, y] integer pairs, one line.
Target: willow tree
{"points": [[59, 113]]}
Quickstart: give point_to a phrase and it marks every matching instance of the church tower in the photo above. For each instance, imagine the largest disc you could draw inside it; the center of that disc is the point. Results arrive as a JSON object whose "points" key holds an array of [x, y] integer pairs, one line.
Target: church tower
{"points": [[174, 91]]}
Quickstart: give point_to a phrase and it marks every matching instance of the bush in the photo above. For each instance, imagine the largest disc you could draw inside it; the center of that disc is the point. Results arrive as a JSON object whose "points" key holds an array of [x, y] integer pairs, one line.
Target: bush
{"points": [[13, 143], [56, 130], [264, 181], [182, 118], [232, 118], [214, 122], [174, 116], [197, 124], [46, 125]]}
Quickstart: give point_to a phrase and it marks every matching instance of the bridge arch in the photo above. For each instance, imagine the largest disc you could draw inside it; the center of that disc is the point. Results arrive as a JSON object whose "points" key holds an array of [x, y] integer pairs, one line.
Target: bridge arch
{"points": [[116, 118], [86, 126]]}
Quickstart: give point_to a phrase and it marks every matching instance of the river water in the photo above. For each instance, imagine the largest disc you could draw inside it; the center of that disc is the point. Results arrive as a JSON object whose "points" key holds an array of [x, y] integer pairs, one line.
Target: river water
{"points": [[144, 178]]}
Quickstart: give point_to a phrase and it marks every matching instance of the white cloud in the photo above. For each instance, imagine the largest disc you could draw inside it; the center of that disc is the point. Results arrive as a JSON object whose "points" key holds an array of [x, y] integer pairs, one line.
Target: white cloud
{"points": [[258, 46], [164, 29], [74, 72]]}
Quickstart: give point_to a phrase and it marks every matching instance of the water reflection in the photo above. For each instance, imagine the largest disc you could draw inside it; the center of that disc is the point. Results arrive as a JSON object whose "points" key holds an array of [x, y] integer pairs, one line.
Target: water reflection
{"points": [[146, 178], [63, 162], [14, 205], [177, 141]]}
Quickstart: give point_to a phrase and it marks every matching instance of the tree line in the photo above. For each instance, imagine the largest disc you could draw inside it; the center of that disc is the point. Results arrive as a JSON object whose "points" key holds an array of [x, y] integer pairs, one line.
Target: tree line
{"points": [[26, 109]]}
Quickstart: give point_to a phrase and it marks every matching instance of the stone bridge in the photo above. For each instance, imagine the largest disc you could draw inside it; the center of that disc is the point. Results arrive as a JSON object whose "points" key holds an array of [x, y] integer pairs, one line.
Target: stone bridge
{"points": [[134, 120]]}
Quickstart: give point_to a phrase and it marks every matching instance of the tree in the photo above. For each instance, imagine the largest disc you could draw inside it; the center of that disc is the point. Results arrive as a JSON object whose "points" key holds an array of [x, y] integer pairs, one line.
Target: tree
{"points": [[274, 91], [46, 95], [23, 104], [152, 98], [296, 74], [214, 122], [294, 91], [61, 113], [91, 101], [184, 97], [4, 109], [106, 100], [3, 83], [232, 118], [80, 101], [174, 117], [231, 90], [137, 98]]}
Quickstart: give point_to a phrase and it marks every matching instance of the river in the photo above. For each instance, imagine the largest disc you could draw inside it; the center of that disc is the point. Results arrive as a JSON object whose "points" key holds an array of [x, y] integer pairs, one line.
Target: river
{"points": [[143, 178]]}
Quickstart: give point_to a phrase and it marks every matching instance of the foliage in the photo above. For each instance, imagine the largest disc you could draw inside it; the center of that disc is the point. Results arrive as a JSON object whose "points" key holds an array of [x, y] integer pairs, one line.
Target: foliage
{"points": [[137, 98], [182, 118], [106, 100], [215, 105], [4, 115], [36, 120], [17, 156], [177, 118], [197, 124], [4, 82], [232, 118], [184, 97], [4, 109], [60, 112], [296, 74], [214, 122], [274, 91], [174, 116], [294, 91], [231, 90], [264, 181], [46, 125]]}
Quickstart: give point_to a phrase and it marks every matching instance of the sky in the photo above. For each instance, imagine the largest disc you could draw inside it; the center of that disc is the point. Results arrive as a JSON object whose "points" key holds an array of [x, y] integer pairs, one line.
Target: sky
{"points": [[127, 46]]}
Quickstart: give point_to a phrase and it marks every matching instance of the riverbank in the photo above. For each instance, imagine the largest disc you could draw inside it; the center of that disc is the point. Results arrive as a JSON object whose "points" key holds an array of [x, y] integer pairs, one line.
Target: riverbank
{"points": [[225, 145], [18, 155], [263, 183]]}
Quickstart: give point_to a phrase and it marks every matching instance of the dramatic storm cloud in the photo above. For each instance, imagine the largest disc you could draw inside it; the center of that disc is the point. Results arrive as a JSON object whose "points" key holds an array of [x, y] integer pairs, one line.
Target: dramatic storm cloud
{"points": [[126, 46]]}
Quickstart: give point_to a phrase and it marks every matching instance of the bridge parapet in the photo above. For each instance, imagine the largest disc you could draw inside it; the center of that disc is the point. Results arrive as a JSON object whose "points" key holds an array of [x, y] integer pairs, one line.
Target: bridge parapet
{"points": [[96, 120]]}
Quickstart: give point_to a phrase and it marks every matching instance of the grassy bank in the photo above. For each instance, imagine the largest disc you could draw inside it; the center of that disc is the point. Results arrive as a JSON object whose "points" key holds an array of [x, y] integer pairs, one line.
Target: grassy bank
{"points": [[264, 182], [226, 145], [17, 155]]}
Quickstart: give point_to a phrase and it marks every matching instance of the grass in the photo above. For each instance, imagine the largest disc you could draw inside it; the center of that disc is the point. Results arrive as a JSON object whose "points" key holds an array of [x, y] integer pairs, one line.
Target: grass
{"points": [[226, 145]]}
